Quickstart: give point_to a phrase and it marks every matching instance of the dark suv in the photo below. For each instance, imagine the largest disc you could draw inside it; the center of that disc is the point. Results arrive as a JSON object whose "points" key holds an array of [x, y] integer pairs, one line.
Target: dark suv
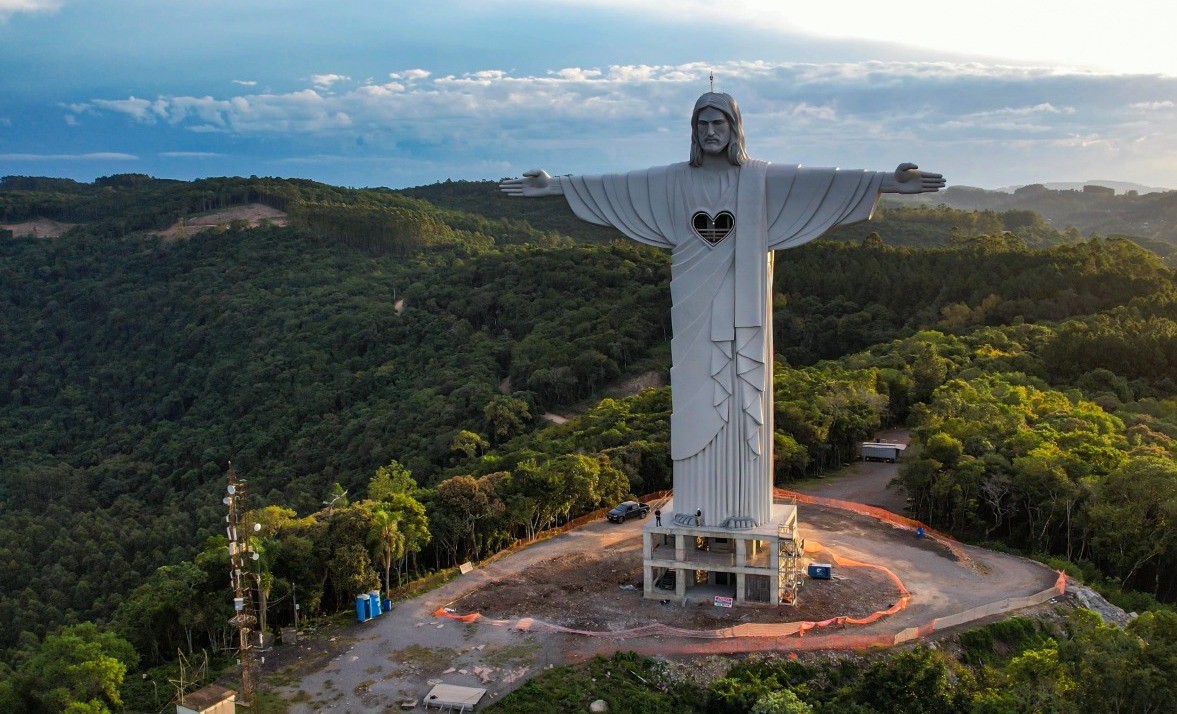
{"points": [[628, 509]]}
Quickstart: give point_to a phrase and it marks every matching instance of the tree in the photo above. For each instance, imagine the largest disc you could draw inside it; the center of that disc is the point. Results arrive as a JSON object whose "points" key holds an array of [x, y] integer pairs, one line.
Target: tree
{"points": [[341, 554], [944, 448], [470, 501], [909, 682], [78, 669], [389, 481], [783, 701], [163, 613], [1136, 509], [1039, 682], [506, 416], [413, 525], [469, 443], [388, 541]]}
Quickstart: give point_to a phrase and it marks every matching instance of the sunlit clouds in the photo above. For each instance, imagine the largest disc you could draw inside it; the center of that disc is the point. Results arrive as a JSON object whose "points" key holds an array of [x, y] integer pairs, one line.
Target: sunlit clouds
{"points": [[372, 93], [857, 114]]}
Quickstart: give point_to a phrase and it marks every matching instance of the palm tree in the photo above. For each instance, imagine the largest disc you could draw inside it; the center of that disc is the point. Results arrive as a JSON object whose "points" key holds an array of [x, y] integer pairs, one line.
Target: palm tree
{"points": [[388, 543]]}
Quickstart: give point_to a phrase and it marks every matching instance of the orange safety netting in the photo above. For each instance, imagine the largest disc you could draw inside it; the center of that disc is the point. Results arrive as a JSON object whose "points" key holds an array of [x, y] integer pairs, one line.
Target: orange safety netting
{"points": [[774, 629], [451, 615], [786, 635], [881, 514]]}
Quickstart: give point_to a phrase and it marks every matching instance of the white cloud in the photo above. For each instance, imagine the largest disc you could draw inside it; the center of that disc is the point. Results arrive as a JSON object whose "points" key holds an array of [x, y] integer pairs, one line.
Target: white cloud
{"points": [[8, 8], [245, 82], [807, 112], [141, 110], [324, 81], [411, 75], [561, 100], [94, 156], [189, 154], [1152, 106]]}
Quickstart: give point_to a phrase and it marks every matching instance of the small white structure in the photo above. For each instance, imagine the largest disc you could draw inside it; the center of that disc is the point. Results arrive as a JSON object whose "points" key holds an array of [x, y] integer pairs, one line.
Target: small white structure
{"points": [[452, 698], [881, 451], [213, 699]]}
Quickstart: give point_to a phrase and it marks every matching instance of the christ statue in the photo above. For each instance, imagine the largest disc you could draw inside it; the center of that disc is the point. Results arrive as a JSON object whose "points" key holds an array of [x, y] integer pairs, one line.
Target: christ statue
{"points": [[722, 215]]}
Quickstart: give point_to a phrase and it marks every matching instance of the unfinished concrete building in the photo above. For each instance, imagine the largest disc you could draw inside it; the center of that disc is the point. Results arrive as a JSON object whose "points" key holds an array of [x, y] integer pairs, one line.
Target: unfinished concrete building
{"points": [[759, 565]]}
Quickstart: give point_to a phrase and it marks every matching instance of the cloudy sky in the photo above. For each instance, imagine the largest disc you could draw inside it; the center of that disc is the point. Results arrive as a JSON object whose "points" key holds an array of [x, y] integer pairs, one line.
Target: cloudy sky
{"points": [[368, 93]]}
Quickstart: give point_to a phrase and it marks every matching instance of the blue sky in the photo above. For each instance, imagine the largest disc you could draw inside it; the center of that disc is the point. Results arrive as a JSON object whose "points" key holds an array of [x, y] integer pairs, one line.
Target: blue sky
{"points": [[399, 94]]}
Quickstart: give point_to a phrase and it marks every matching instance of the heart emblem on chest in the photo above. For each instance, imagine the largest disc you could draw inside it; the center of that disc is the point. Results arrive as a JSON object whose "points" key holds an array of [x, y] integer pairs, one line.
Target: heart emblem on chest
{"points": [[713, 230]]}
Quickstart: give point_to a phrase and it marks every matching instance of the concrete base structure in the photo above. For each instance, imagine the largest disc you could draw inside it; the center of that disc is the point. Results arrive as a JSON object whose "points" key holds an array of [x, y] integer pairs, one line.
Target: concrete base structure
{"points": [[754, 566]]}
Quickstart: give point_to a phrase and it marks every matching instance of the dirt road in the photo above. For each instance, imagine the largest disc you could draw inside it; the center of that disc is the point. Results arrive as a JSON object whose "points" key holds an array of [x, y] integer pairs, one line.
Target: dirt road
{"points": [[577, 579], [395, 657], [866, 482]]}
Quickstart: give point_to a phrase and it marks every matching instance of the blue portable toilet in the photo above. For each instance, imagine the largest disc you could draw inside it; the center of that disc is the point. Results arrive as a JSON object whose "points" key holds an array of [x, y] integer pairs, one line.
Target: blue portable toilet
{"points": [[821, 571], [374, 602], [362, 607], [386, 604]]}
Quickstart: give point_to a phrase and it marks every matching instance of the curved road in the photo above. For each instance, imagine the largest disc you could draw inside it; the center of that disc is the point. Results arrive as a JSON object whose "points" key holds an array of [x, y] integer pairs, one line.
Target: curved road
{"points": [[396, 656]]}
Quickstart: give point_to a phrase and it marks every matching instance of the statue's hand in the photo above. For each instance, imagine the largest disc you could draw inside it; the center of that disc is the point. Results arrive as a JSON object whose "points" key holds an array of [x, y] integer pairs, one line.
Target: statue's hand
{"points": [[534, 183], [909, 179]]}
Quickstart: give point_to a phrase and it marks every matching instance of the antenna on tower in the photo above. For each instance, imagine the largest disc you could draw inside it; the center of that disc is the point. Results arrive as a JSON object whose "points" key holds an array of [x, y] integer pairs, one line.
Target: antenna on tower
{"points": [[712, 81], [241, 579]]}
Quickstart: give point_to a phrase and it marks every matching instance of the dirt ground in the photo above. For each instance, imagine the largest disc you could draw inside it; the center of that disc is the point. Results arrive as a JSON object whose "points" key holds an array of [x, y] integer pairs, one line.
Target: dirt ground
{"points": [[601, 590], [581, 579], [39, 228], [253, 213], [865, 482]]}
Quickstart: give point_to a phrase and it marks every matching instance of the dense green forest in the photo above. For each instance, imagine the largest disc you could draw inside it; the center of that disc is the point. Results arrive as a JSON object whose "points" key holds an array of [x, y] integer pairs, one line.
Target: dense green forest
{"points": [[1076, 664], [376, 370], [899, 221]]}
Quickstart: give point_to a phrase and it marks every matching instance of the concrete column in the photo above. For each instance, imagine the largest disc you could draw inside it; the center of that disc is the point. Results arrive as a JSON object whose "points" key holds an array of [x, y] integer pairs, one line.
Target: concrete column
{"points": [[647, 569], [774, 573], [741, 588], [741, 554], [680, 582], [680, 547]]}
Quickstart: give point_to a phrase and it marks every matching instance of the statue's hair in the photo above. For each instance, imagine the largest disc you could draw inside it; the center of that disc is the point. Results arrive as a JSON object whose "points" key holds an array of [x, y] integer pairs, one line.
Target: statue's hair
{"points": [[736, 153]]}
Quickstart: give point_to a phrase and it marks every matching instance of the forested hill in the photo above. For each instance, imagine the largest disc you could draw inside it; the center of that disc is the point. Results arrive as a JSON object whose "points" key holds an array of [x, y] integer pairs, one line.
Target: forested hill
{"points": [[900, 221], [376, 220], [1152, 216], [379, 327]]}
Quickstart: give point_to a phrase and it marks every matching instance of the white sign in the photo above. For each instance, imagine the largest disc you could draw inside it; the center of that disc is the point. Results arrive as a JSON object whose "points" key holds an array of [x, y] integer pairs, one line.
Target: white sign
{"points": [[721, 601], [465, 567]]}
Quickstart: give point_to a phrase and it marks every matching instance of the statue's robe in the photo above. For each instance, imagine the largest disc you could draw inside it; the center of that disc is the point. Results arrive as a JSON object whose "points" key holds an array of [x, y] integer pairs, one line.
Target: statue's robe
{"points": [[721, 432]]}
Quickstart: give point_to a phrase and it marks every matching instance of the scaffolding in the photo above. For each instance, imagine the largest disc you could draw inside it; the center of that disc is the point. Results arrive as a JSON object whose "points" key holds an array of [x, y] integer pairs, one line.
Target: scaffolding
{"points": [[790, 549]]}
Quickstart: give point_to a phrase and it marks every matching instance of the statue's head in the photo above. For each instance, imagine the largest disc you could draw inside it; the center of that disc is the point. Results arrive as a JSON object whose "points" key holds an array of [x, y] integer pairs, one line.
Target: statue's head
{"points": [[726, 105]]}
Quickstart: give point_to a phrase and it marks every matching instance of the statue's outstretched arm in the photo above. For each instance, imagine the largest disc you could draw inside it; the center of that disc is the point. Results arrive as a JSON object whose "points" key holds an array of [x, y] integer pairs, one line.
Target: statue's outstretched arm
{"points": [[534, 183], [909, 179]]}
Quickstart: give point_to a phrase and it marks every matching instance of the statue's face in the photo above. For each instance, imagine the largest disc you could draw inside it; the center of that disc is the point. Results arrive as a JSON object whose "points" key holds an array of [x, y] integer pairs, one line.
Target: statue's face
{"points": [[713, 131]]}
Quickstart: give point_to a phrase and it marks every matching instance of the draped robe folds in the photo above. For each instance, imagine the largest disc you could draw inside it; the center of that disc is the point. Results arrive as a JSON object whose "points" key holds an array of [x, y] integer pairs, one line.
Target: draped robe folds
{"points": [[721, 430]]}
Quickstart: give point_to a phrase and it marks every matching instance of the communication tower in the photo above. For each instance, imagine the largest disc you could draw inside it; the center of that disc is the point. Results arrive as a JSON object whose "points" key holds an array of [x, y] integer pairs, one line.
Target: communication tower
{"points": [[242, 559]]}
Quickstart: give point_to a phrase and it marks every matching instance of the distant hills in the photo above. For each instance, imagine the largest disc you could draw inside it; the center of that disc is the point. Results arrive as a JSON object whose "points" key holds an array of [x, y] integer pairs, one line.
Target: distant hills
{"points": [[1089, 209], [1121, 187]]}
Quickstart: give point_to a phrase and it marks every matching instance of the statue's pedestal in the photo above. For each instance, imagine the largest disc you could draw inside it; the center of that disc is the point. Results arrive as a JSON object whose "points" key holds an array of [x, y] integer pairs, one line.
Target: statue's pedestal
{"points": [[753, 566]]}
